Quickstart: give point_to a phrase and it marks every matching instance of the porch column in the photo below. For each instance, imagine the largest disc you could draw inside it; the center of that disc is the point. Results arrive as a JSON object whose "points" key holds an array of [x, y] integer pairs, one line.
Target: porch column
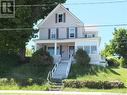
{"points": [[55, 48]]}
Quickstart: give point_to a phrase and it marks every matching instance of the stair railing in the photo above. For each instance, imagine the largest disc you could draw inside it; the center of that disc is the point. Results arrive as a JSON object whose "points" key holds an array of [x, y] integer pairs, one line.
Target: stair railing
{"points": [[69, 66], [50, 74]]}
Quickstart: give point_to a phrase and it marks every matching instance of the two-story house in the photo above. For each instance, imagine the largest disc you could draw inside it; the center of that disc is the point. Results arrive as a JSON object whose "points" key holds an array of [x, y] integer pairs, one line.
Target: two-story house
{"points": [[61, 33]]}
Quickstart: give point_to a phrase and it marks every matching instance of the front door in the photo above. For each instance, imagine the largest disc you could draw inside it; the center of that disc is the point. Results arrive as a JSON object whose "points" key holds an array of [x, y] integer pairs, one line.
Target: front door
{"points": [[64, 52], [71, 50]]}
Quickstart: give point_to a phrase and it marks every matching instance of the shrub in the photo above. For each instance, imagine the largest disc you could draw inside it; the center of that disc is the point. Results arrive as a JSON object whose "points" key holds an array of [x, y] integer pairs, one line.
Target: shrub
{"points": [[93, 84], [41, 57], [113, 62], [82, 57], [123, 62]]}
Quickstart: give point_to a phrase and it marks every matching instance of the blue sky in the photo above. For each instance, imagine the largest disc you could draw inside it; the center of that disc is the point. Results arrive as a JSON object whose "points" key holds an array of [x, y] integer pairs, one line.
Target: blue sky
{"points": [[114, 13]]}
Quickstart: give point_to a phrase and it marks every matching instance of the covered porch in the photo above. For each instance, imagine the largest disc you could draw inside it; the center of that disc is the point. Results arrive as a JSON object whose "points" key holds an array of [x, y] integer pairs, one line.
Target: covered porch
{"points": [[62, 49]]}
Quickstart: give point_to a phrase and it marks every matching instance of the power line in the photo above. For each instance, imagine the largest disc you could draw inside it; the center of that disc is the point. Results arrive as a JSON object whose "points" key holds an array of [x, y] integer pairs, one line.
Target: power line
{"points": [[86, 26], [108, 2], [88, 3]]}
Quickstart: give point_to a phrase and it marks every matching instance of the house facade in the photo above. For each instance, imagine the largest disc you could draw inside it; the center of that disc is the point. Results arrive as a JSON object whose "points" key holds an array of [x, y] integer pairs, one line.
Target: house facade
{"points": [[61, 33]]}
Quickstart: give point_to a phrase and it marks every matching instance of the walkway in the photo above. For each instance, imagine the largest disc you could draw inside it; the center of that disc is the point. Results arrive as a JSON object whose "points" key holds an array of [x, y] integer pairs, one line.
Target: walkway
{"points": [[60, 72], [55, 92]]}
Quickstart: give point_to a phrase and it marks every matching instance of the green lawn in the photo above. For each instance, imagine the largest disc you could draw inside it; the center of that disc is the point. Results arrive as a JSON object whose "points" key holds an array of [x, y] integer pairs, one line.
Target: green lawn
{"points": [[26, 77], [80, 72]]}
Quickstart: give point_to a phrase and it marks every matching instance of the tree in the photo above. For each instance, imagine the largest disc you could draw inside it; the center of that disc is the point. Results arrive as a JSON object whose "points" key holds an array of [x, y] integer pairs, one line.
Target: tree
{"points": [[119, 42], [107, 51], [16, 40], [82, 57]]}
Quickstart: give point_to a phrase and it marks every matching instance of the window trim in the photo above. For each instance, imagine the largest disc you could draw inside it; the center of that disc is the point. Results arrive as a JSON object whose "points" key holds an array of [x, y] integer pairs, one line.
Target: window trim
{"points": [[53, 32], [71, 32]]}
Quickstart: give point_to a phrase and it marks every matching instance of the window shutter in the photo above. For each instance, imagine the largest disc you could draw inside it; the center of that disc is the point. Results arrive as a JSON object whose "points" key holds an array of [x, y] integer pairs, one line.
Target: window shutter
{"points": [[76, 34], [56, 18], [64, 16], [61, 50], [67, 32], [57, 33], [49, 33]]}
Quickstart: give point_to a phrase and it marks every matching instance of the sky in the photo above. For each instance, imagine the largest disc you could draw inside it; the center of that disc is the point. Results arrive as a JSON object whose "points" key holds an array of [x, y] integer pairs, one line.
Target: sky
{"points": [[99, 14]]}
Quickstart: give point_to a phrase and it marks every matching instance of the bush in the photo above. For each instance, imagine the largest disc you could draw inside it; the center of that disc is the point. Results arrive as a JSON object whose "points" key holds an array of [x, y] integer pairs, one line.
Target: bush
{"points": [[82, 57], [93, 84], [113, 62], [123, 62], [41, 57]]}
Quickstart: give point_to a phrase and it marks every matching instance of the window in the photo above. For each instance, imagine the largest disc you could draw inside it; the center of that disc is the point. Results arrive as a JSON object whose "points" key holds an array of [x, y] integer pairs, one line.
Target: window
{"points": [[51, 50], [79, 47], [60, 17], [71, 32], [53, 34], [93, 49], [85, 35], [87, 49], [93, 35], [89, 35]]}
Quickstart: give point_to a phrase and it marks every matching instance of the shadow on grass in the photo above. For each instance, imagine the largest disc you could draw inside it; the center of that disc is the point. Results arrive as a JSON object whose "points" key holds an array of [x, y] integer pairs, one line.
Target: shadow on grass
{"points": [[81, 70], [27, 75]]}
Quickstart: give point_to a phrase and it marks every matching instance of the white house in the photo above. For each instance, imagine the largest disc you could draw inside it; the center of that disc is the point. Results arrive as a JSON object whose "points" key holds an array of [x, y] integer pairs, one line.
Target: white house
{"points": [[61, 33]]}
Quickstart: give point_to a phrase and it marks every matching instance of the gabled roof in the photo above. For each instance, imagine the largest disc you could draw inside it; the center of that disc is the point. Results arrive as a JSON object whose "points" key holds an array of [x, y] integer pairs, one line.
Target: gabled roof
{"points": [[57, 7]]}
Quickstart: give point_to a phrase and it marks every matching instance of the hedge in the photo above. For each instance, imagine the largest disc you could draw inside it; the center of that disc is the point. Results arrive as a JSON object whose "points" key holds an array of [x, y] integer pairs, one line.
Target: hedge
{"points": [[21, 82], [93, 84]]}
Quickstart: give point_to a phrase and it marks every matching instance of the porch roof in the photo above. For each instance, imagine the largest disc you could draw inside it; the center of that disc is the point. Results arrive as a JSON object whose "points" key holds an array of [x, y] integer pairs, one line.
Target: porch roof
{"points": [[68, 40]]}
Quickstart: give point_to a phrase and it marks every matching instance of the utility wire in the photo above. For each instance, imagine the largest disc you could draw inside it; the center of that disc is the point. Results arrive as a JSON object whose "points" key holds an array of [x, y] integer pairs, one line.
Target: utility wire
{"points": [[86, 26], [89, 3]]}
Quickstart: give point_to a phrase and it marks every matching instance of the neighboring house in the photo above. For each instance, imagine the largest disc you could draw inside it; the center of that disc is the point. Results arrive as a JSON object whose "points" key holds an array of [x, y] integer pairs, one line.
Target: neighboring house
{"points": [[61, 33]]}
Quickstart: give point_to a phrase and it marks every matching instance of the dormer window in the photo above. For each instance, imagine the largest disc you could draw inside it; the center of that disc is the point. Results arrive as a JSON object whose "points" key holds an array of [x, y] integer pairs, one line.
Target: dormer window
{"points": [[60, 17]]}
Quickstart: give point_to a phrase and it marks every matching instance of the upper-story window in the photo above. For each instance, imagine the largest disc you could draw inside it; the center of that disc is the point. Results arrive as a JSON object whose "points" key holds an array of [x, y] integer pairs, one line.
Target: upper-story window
{"points": [[89, 35], [60, 17], [53, 33], [71, 32]]}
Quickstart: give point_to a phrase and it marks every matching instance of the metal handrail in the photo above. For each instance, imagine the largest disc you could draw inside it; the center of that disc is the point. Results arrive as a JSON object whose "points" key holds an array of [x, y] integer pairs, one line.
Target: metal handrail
{"points": [[50, 74]]}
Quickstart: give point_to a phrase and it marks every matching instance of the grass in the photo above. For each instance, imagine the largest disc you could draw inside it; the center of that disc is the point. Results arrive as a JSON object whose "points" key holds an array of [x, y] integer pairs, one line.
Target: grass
{"points": [[93, 72], [25, 75]]}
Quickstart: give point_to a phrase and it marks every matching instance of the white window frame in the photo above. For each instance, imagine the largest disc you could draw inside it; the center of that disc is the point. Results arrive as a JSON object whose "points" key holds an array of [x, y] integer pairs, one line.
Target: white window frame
{"points": [[53, 33], [70, 31]]}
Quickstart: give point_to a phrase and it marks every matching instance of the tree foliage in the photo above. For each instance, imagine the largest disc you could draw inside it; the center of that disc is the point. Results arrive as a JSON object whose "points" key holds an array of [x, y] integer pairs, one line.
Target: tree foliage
{"points": [[41, 57], [25, 16], [119, 42], [107, 51], [82, 57], [117, 46]]}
